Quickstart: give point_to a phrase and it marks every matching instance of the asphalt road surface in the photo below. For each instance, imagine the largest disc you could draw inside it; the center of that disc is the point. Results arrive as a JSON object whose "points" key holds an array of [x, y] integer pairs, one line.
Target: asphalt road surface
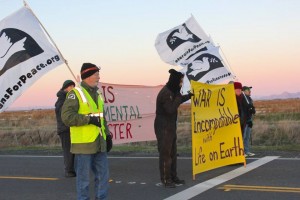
{"points": [[137, 178]]}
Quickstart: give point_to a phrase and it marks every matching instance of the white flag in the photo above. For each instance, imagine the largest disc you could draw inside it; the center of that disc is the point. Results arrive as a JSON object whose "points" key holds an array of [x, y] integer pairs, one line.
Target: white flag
{"points": [[26, 54], [176, 45], [189, 46], [205, 67]]}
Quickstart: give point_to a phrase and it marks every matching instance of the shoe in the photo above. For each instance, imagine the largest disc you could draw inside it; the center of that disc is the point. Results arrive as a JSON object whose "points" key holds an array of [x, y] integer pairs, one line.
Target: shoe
{"points": [[251, 154], [177, 181], [70, 174], [170, 184]]}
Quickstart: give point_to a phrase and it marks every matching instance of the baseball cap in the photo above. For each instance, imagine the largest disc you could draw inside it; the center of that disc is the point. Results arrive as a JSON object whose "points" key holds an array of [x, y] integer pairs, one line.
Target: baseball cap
{"points": [[246, 88]]}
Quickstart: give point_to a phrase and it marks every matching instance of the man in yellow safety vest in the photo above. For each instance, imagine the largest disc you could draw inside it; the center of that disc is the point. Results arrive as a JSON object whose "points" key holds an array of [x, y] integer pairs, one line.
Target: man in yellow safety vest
{"points": [[83, 112]]}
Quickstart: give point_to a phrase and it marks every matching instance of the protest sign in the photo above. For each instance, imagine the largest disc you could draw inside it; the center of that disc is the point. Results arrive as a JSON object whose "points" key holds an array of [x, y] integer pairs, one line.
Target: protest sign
{"points": [[216, 132], [130, 111]]}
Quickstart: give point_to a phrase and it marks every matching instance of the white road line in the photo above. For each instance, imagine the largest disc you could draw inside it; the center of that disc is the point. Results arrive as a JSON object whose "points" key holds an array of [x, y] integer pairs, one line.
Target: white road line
{"points": [[202, 187]]}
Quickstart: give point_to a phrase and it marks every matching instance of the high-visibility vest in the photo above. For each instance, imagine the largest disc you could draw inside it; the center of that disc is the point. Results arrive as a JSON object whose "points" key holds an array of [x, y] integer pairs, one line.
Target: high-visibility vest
{"points": [[87, 106]]}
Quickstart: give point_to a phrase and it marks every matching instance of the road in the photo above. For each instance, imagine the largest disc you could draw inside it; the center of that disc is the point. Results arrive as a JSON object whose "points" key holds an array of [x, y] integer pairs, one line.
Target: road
{"points": [[41, 178]]}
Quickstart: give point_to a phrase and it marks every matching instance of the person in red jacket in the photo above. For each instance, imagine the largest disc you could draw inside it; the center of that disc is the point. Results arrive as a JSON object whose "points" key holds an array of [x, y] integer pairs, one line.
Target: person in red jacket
{"points": [[240, 104], [165, 125]]}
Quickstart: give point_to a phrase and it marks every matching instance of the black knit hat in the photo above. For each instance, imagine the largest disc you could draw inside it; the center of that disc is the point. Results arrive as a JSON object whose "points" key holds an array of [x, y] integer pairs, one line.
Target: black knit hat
{"points": [[174, 80], [175, 74], [88, 69], [67, 83]]}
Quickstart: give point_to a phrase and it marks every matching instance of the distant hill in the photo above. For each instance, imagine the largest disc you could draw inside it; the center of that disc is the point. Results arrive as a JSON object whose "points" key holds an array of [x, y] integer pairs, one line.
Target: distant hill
{"points": [[30, 108], [284, 95]]}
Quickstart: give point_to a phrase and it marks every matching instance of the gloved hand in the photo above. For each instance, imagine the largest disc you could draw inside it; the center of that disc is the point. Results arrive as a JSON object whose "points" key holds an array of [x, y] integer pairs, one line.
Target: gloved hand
{"points": [[190, 94], [109, 143], [250, 124], [95, 121]]}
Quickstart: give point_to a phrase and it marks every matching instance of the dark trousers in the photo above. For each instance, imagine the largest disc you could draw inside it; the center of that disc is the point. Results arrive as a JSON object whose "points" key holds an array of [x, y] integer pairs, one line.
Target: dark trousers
{"points": [[68, 156], [167, 148], [168, 160]]}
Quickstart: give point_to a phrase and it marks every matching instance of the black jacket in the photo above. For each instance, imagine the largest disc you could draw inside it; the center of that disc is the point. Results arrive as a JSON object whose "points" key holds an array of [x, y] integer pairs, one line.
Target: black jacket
{"points": [[249, 108], [61, 97], [167, 104]]}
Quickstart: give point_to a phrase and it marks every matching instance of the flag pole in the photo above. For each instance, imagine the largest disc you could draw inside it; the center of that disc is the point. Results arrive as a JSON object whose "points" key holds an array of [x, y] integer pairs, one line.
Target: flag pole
{"points": [[227, 61], [66, 62]]}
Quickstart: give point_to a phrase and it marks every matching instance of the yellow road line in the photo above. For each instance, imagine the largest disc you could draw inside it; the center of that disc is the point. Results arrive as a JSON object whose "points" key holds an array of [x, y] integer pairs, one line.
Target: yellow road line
{"points": [[28, 178], [257, 186], [260, 188], [211, 183]]}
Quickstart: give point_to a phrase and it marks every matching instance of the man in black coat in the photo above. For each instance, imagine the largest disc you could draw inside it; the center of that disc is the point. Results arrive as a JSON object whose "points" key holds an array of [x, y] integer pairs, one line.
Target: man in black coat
{"points": [[165, 125], [63, 130], [249, 111]]}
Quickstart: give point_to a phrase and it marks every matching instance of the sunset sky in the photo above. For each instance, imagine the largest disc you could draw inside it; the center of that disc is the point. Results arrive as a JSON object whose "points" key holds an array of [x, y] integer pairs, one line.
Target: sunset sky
{"points": [[260, 39]]}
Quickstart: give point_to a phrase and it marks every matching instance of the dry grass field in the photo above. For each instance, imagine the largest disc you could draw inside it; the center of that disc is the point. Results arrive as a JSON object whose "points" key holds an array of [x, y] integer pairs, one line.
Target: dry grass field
{"points": [[276, 123], [28, 128]]}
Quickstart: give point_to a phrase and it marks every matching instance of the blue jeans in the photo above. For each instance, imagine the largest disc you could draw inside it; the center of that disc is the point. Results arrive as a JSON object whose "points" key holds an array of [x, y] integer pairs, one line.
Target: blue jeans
{"points": [[98, 163], [247, 134]]}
